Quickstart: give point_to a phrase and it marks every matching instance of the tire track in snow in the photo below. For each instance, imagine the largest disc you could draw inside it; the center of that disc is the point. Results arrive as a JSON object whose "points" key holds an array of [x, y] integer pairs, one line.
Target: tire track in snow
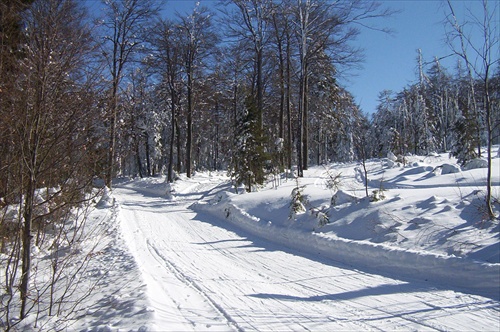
{"points": [[176, 301], [245, 264], [265, 270], [192, 284]]}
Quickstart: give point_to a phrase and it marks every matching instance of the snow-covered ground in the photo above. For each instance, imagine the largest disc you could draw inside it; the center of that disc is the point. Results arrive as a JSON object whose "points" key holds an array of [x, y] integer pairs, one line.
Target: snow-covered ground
{"points": [[208, 259]]}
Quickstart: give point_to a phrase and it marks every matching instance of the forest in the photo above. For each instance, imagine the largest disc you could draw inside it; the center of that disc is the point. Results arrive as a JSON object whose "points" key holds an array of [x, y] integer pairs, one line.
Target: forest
{"points": [[250, 87]]}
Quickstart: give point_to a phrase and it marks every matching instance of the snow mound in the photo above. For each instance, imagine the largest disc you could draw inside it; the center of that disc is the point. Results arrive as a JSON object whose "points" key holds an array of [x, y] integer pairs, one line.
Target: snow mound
{"points": [[341, 197], [448, 169], [106, 200], [475, 163]]}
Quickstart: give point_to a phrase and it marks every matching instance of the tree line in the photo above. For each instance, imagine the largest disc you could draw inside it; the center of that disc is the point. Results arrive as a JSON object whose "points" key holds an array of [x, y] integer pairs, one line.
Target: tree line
{"points": [[248, 86]]}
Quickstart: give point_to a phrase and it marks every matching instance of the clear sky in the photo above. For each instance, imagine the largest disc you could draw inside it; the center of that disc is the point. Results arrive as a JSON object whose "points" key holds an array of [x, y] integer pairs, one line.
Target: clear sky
{"points": [[390, 60]]}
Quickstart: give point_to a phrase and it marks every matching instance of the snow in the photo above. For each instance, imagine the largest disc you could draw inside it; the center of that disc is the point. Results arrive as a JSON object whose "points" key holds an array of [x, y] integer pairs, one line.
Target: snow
{"points": [[198, 257]]}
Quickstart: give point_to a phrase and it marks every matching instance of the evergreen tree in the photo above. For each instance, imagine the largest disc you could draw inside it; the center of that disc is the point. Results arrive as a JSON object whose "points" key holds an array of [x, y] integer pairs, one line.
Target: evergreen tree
{"points": [[463, 148], [250, 156]]}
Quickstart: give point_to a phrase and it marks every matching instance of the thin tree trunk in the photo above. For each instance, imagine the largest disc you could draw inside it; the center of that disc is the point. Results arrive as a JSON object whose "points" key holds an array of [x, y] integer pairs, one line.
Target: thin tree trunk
{"points": [[287, 103], [281, 125], [27, 240], [490, 142], [170, 176], [189, 144], [112, 135], [216, 144], [138, 159], [29, 203], [260, 88], [179, 146], [148, 157], [300, 134], [305, 122]]}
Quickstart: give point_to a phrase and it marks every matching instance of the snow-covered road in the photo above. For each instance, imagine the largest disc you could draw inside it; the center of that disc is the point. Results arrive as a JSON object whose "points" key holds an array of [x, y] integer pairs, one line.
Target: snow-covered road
{"points": [[204, 274]]}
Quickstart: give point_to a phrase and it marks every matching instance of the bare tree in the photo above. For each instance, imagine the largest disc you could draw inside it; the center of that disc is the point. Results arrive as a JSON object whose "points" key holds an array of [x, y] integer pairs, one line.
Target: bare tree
{"points": [[326, 28], [480, 57], [281, 27], [251, 24], [50, 124], [11, 37], [125, 23], [167, 62], [198, 39]]}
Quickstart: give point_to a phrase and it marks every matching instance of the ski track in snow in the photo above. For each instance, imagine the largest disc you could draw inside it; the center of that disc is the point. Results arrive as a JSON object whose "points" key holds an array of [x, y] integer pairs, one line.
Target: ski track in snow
{"points": [[205, 274]]}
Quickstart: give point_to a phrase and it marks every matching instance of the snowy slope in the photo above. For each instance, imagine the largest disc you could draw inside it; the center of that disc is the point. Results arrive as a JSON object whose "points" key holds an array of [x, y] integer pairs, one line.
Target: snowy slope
{"points": [[430, 226]]}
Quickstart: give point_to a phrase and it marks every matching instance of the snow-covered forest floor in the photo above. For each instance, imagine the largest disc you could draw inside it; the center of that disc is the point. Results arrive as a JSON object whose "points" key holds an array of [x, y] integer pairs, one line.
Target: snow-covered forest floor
{"points": [[417, 254]]}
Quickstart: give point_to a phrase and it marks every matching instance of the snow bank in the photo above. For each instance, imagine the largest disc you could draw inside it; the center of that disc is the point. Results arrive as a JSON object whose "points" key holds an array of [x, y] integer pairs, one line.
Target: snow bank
{"points": [[477, 277], [475, 163], [106, 200], [450, 169], [341, 197]]}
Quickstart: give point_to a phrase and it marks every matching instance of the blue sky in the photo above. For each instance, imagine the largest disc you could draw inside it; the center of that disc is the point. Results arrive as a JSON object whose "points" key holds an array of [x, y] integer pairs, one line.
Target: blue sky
{"points": [[390, 60]]}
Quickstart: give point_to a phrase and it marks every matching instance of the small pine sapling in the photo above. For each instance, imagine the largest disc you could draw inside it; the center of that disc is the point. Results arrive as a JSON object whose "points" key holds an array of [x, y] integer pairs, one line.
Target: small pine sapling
{"points": [[297, 205], [333, 181], [321, 216], [377, 195]]}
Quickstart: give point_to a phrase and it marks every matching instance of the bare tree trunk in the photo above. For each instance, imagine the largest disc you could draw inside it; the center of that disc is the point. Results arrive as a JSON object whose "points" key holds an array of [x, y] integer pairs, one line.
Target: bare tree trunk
{"points": [[179, 146], [148, 157], [300, 134], [189, 143], [281, 124], [288, 102], [32, 144], [27, 241], [112, 135], [489, 131], [217, 138], [305, 122], [260, 87], [138, 158], [170, 176]]}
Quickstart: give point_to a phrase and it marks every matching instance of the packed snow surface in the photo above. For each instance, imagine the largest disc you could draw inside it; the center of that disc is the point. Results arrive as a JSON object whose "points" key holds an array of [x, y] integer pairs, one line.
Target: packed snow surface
{"points": [[418, 254]]}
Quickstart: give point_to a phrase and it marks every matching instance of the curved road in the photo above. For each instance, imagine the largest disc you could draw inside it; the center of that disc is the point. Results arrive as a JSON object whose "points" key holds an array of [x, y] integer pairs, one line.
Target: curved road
{"points": [[204, 274]]}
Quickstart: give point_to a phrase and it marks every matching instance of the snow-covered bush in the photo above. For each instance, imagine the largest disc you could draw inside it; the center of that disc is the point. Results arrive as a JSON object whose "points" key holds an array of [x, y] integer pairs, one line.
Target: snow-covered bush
{"points": [[333, 181], [169, 191], [391, 156], [106, 200], [377, 195], [475, 163], [321, 216], [388, 163], [341, 197], [297, 205], [450, 168]]}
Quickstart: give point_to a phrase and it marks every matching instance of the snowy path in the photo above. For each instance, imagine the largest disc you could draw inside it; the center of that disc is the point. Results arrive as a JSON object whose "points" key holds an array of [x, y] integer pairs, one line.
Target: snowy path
{"points": [[204, 274]]}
